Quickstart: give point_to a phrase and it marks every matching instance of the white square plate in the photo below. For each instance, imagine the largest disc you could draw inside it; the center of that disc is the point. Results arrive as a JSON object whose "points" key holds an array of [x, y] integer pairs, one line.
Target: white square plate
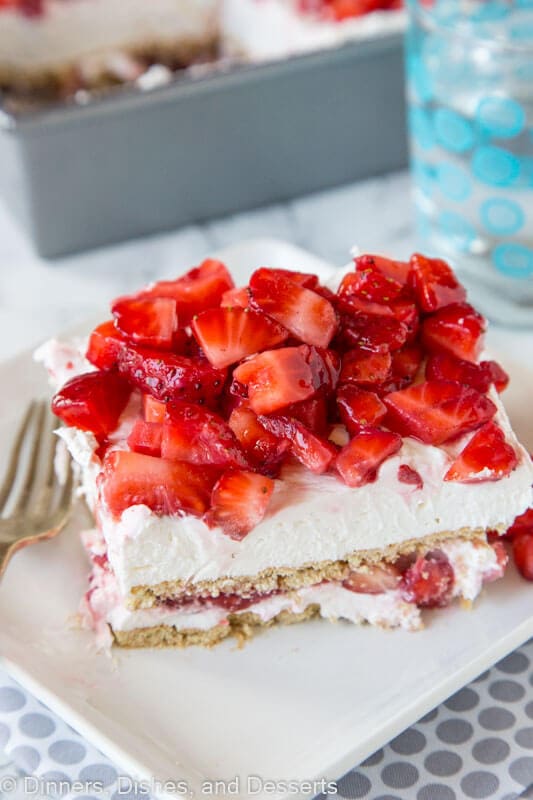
{"points": [[297, 703]]}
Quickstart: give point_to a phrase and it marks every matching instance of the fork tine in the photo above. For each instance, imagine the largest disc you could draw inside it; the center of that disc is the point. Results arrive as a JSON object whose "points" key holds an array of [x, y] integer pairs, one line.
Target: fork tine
{"points": [[11, 474], [50, 442], [32, 468]]}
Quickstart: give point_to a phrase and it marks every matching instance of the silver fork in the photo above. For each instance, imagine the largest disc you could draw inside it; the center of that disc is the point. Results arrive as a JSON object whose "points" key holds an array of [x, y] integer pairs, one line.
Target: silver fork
{"points": [[35, 503]]}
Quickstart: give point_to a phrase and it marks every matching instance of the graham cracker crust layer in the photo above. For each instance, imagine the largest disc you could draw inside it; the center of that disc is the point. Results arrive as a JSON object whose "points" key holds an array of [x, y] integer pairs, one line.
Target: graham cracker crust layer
{"points": [[241, 626], [287, 578]]}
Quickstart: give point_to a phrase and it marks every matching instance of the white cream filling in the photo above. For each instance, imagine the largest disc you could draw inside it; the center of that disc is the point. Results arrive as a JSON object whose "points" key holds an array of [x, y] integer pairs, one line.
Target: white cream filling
{"points": [[70, 31]]}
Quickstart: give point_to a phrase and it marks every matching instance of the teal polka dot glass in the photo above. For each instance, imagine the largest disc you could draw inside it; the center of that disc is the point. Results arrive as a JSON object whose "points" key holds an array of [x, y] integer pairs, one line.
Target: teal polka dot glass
{"points": [[470, 93]]}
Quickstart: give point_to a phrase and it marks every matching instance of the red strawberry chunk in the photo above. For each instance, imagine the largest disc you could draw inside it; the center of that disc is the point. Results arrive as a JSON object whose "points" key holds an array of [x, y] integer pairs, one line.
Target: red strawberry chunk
{"points": [[498, 375], [313, 413], [445, 367], [312, 451], [304, 313], [153, 410], [105, 344], [305, 279], [373, 579], [523, 555], [429, 581], [437, 411], [365, 367], [372, 332], [486, 457], [405, 365], [236, 298], [360, 459], [228, 335], [434, 283], [92, 402], [277, 378], [166, 487], [146, 437], [397, 270], [262, 448], [407, 474], [359, 408], [196, 435], [150, 321], [457, 329], [239, 502], [522, 524], [168, 376], [369, 284], [199, 289]]}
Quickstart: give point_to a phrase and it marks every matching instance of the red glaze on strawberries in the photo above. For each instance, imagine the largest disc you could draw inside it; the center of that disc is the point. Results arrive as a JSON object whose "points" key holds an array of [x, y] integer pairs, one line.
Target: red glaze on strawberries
{"points": [[446, 367], [239, 502], [434, 283], [486, 457], [359, 460], [151, 322], [92, 402], [105, 344], [194, 434], [146, 437], [312, 451], [457, 330], [359, 408]]}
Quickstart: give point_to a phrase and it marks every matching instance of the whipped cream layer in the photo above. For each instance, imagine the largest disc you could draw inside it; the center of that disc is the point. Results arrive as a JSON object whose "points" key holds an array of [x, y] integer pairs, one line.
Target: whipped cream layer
{"points": [[269, 29], [69, 31]]}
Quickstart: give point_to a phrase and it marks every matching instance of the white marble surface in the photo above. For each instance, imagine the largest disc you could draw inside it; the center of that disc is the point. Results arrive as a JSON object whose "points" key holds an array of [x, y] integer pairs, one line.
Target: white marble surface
{"points": [[39, 298]]}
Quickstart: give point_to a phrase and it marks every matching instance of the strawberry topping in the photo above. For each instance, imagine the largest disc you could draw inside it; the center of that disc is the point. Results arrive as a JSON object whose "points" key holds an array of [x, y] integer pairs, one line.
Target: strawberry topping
{"points": [[314, 452], [359, 460], [523, 555], [407, 474], [523, 524], [359, 408], [365, 367], [146, 437], [434, 283], [239, 502], [105, 344], [480, 376], [192, 433], [457, 329], [92, 402], [153, 410], [148, 321], [486, 457], [262, 448]]}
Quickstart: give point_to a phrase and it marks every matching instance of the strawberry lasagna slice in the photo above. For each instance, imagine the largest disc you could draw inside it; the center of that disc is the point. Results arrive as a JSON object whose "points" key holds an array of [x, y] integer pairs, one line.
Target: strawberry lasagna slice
{"points": [[287, 450]]}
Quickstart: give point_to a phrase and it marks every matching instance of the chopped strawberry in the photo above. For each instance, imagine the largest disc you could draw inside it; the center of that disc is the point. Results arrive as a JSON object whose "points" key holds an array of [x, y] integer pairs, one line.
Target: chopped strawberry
{"points": [[360, 459], [365, 367], [277, 378], [147, 321], [239, 502], [522, 524], [166, 487], [262, 448], [228, 335], [93, 402], [405, 365], [194, 434], [201, 288], [105, 344], [305, 279], [445, 367], [369, 284], [457, 329], [429, 581], [434, 283], [407, 474], [486, 457], [146, 437], [313, 413], [359, 408], [437, 411], [236, 298], [153, 410], [498, 375], [168, 376], [372, 332], [373, 579], [397, 270], [312, 451], [304, 313], [523, 555]]}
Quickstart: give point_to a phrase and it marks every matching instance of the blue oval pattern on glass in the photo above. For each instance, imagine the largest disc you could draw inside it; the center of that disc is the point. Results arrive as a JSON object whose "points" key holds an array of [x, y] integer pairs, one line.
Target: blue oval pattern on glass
{"points": [[453, 131], [495, 166], [500, 116], [513, 260], [457, 228], [501, 217], [421, 128], [454, 182]]}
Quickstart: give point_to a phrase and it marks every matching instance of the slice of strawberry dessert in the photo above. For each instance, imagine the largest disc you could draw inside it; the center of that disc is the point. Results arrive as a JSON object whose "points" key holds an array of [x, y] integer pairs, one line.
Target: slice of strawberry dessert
{"points": [[287, 450]]}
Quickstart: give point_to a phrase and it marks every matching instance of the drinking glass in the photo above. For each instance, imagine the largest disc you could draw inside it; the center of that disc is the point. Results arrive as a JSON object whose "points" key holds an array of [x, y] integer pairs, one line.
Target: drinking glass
{"points": [[470, 99]]}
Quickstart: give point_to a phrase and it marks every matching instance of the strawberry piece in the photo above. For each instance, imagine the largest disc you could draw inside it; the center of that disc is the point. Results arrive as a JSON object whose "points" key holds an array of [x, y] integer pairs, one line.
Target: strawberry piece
{"points": [[359, 460], [372, 332], [373, 579], [359, 408], [228, 335], [405, 365], [236, 298], [239, 502], [407, 474], [146, 437], [369, 284], [523, 555], [397, 270], [434, 283], [277, 378], [429, 581], [312, 451], [437, 411], [194, 434], [196, 291], [92, 402], [498, 375], [305, 279], [480, 376], [105, 344], [149, 321], [457, 329], [522, 524], [168, 376], [153, 410], [313, 413], [262, 448], [365, 367], [237, 602], [166, 487], [304, 313], [486, 457]]}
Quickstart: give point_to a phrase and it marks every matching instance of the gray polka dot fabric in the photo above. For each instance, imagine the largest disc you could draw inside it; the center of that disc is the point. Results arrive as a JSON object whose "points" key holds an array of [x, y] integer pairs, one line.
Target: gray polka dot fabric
{"points": [[477, 744]]}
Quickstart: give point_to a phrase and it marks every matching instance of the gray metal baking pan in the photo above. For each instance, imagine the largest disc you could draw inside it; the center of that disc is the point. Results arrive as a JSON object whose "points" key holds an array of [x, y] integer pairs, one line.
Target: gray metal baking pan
{"points": [[135, 162]]}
